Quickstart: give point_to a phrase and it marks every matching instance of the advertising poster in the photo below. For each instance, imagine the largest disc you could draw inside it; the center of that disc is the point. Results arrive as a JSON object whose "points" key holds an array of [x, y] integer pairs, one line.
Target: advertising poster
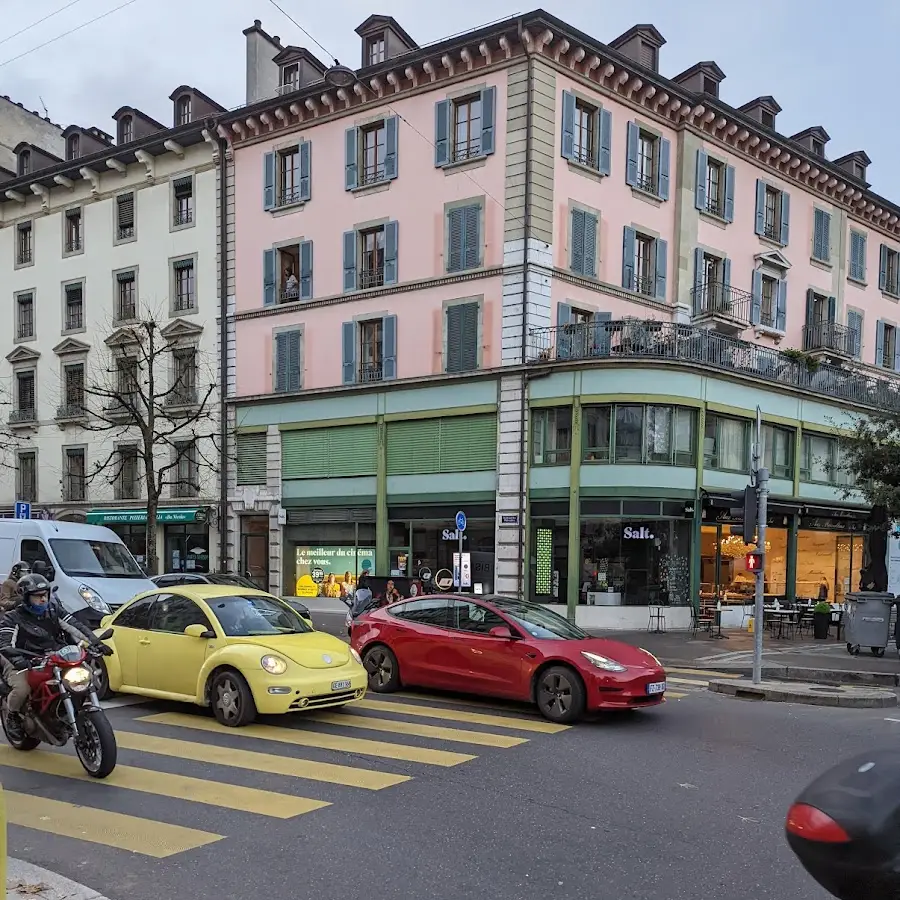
{"points": [[321, 571]]}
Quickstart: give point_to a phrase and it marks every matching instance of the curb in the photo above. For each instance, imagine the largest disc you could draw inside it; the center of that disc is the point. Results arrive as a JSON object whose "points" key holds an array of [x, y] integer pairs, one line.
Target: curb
{"points": [[23, 879], [802, 674], [811, 695]]}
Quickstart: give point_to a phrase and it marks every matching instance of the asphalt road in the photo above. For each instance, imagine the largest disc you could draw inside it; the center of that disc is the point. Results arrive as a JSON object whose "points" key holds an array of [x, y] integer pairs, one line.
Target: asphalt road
{"points": [[684, 801]]}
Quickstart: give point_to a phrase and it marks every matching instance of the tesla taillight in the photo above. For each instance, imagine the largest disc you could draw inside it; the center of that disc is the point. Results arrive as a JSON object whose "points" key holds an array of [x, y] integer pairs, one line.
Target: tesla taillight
{"points": [[812, 824]]}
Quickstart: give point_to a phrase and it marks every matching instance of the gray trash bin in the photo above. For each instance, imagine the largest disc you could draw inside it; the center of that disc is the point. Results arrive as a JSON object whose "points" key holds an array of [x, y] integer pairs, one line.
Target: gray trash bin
{"points": [[868, 621]]}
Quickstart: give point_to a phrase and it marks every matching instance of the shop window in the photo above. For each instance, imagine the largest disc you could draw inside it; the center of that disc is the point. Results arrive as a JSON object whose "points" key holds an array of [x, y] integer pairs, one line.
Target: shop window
{"points": [[552, 436], [778, 451], [726, 444]]}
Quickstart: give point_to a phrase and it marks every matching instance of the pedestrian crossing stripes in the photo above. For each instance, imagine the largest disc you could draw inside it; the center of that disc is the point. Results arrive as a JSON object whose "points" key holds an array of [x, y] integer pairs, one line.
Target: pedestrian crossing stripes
{"points": [[190, 770], [694, 683]]}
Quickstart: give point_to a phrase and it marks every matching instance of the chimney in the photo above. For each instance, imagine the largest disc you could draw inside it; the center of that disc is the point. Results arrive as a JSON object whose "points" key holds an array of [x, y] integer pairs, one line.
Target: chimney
{"points": [[640, 44], [262, 72], [702, 78], [762, 110], [813, 139]]}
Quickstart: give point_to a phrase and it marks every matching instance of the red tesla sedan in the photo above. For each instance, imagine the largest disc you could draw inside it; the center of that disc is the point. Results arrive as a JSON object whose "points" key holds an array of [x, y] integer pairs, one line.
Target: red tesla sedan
{"points": [[502, 647]]}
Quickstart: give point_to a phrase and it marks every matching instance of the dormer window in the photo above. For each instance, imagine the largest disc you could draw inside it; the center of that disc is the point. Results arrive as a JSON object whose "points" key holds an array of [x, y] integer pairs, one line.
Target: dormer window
{"points": [[126, 130], [183, 110], [710, 87], [290, 78], [860, 171], [375, 50], [73, 146], [649, 55], [25, 162], [818, 148], [767, 119]]}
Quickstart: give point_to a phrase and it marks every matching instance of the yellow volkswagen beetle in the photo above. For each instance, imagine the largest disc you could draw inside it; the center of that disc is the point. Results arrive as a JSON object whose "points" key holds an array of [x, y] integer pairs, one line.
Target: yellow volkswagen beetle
{"points": [[240, 651]]}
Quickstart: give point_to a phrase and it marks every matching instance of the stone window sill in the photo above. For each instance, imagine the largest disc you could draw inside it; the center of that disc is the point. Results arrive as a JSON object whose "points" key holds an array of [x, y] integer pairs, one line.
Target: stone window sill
{"points": [[646, 196]]}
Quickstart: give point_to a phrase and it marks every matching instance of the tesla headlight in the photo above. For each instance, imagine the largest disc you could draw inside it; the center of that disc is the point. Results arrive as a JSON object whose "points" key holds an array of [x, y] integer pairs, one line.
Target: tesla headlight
{"points": [[651, 656], [274, 665], [356, 656], [78, 679], [93, 599], [602, 662]]}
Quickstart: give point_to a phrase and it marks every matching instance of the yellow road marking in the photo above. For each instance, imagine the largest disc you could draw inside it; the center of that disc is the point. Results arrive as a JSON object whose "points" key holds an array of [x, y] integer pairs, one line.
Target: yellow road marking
{"points": [[437, 732], [259, 762], [497, 705], [165, 784], [99, 826], [704, 672], [300, 738], [458, 715], [687, 681]]}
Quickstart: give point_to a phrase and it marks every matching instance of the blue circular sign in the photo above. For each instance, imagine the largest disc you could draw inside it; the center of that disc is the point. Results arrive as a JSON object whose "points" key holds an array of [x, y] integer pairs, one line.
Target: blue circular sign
{"points": [[461, 521]]}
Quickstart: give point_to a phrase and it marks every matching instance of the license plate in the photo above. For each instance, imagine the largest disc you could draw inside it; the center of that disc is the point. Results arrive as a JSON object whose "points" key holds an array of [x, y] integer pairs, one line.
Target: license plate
{"points": [[656, 687], [343, 685]]}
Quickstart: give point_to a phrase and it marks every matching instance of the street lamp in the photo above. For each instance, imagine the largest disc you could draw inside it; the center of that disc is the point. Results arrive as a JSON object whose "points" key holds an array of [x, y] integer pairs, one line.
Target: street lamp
{"points": [[340, 76]]}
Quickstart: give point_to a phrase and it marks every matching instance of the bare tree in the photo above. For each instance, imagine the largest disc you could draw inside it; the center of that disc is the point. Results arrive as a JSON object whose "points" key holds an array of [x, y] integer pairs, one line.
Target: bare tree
{"points": [[153, 397], [10, 442]]}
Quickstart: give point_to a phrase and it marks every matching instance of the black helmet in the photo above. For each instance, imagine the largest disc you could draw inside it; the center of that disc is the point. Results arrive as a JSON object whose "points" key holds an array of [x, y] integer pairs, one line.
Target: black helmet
{"points": [[18, 570], [32, 584]]}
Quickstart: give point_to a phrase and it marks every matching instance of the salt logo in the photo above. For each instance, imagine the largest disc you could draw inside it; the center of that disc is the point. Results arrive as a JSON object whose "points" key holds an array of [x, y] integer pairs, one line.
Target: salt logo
{"points": [[639, 534]]}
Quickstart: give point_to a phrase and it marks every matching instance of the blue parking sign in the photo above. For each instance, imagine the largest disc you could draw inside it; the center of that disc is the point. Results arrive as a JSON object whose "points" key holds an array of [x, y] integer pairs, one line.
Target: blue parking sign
{"points": [[23, 510]]}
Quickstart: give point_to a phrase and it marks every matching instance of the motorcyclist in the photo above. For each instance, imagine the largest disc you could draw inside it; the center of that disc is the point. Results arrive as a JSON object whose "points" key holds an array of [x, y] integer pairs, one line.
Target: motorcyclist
{"points": [[38, 625], [9, 596]]}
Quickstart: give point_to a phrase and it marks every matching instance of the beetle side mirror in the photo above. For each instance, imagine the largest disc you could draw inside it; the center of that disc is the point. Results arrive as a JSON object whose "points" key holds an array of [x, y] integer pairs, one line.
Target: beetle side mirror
{"points": [[199, 631], [106, 635], [845, 828]]}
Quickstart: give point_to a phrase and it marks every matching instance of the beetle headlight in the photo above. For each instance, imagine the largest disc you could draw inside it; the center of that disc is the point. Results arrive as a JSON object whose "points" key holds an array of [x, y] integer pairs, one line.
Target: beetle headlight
{"points": [[356, 656], [79, 679], [274, 665]]}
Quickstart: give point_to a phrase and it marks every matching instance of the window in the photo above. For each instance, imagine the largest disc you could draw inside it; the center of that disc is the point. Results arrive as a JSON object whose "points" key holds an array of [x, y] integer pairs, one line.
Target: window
{"points": [[474, 618], [647, 161], [432, 611], [629, 427], [711, 294], [288, 371], [889, 271], [183, 200], [375, 50], [467, 128], [768, 301], [822, 461], [73, 238], [464, 127], [183, 109], [74, 485], [73, 146], [127, 484], [714, 187], [25, 162], [371, 350], [586, 133], [551, 434], [597, 425], [464, 238], [821, 236], [767, 118], [172, 614], [818, 147], [726, 444], [886, 346], [855, 327], [184, 299], [371, 248], [858, 243], [372, 147], [137, 615], [73, 387], [772, 218], [772, 213], [24, 316], [74, 307], [127, 384], [184, 376], [125, 216], [290, 78], [583, 242], [715, 184], [370, 153], [24, 233], [629, 433], [287, 175], [26, 477], [462, 337], [186, 482], [584, 149], [778, 451], [126, 130], [643, 266], [25, 397], [126, 296]]}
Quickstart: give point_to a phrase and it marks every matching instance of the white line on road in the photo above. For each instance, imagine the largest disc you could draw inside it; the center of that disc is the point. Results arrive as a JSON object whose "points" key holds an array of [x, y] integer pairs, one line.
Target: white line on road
{"points": [[889, 719], [118, 702]]}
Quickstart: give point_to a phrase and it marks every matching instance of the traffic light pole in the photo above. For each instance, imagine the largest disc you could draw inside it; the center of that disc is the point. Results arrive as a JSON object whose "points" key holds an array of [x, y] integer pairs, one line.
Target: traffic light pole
{"points": [[762, 494]]}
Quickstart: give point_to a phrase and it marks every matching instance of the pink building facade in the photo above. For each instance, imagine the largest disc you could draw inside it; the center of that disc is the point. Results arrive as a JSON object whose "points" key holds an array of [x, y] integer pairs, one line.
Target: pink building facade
{"points": [[462, 273]]}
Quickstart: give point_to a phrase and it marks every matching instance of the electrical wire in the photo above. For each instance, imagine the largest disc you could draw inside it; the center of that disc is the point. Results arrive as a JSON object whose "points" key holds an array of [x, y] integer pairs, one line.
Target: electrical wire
{"points": [[39, 21], [59, 37], [290, 18]]}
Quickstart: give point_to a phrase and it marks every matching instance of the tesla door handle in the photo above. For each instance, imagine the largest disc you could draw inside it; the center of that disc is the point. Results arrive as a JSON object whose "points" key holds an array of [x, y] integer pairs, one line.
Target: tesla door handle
{"points": [[530, 655], [474, 650]]}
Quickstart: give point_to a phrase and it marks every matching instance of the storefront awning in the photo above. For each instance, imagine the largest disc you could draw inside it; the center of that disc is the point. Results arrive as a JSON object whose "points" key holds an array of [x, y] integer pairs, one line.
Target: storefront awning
{"points": [[139, 516]]}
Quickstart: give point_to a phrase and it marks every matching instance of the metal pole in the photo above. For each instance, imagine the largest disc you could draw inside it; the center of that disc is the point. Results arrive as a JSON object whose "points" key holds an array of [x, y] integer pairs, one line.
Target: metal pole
{"points": [[762, 493], [459, 531]]}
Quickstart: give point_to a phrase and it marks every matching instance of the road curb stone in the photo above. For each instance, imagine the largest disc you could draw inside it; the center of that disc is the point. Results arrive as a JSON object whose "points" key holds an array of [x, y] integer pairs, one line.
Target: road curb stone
{"points": [[847, 697], [21, 873]]}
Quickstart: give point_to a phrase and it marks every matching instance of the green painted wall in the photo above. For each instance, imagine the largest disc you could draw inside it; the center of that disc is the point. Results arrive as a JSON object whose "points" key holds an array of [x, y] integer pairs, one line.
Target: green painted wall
{"points": [[306, 491], [663, 478]]}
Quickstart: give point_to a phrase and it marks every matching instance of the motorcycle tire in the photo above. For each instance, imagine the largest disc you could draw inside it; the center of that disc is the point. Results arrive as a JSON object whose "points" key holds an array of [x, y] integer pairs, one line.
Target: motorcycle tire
{"points": [[25, 743], [102, 761]]}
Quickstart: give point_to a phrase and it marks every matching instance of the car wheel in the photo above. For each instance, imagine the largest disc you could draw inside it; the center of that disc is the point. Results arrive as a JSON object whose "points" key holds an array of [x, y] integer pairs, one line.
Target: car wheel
{"points": [[560, 695], [103, 691], [382, 668], [231, 699]]}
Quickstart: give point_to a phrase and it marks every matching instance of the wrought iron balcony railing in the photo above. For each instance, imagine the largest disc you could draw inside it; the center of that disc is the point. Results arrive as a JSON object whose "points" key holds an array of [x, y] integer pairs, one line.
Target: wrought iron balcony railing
{"points": [[831, 338], [23, 415], [371, 372], [667, 341], [71, 411], [712, 299]]}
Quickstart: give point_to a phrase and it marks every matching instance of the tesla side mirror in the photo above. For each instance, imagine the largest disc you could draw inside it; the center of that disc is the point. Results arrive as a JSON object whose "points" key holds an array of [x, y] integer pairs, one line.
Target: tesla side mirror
{"points": [[199, 631], [843, 828], [105, 635], [501, 631]]}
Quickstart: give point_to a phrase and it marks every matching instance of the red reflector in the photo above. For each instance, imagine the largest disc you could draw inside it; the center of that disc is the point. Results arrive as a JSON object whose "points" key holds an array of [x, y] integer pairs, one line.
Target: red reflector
{"points": [[812, 824]]}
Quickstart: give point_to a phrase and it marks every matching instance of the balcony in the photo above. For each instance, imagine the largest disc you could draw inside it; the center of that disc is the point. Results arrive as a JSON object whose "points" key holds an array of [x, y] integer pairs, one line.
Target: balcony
{"points": [[182, 217], [24, 256], [373, 174], [289, 87], [182, 398], [371, 278], [725, 307], [646, 181], [371, 372], [70, 412], [288, 197], [125, 232], [464, 150], [830, 340], [24, 415], [120, 408], [610, 343], [73, 245]]}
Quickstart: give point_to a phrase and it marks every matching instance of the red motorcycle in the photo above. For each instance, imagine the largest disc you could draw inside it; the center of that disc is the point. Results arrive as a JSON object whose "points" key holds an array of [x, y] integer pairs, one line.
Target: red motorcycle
{"points": [[64, 706]]}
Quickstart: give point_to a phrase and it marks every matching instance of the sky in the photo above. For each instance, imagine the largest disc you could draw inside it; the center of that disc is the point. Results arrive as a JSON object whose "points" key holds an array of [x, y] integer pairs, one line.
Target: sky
{"points": [[837, 70]]}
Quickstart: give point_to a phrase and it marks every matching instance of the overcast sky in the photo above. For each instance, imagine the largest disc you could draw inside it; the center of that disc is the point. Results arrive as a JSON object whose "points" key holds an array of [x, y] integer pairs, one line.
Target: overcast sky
{"points": [[805, 53]]}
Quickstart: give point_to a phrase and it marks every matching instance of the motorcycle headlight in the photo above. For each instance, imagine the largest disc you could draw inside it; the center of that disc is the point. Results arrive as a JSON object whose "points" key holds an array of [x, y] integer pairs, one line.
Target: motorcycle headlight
{"points": [[274, 665], [78, 679], [356, 656], [93, 599], [602, 662]]}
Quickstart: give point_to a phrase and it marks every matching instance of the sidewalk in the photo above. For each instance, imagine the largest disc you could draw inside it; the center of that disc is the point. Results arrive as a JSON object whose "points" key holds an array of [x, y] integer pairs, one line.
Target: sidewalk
{"points": [[25, 880]]}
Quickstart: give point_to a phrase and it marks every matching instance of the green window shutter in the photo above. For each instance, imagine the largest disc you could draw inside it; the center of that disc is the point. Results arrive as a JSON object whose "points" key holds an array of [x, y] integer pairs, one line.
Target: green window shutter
{"points": [[468, 443], [462, 337], [250, 453], [329, 452], [413, 448]]}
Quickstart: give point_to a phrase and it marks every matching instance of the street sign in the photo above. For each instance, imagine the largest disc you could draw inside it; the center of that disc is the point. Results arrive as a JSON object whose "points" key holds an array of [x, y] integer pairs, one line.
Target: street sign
{"points": [[460, 521], [23, 510]]}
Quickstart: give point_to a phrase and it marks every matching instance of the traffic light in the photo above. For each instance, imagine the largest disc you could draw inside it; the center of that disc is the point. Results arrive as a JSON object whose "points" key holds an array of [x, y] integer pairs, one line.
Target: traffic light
{"points": [[748, 512], [754, 561]]}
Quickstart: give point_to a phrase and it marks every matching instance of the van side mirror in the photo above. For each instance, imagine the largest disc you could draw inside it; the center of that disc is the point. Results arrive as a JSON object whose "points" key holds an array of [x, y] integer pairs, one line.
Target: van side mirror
{"points": [[199, 631]]}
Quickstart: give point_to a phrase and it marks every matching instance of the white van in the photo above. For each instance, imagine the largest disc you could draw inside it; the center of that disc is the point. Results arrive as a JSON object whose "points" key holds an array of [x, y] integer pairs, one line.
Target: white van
{"points": [[92, 571]]}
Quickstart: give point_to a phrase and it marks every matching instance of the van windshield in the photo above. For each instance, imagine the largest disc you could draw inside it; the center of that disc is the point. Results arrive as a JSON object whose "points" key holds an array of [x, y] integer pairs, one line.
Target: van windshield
{"points": [[97, 559]]}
